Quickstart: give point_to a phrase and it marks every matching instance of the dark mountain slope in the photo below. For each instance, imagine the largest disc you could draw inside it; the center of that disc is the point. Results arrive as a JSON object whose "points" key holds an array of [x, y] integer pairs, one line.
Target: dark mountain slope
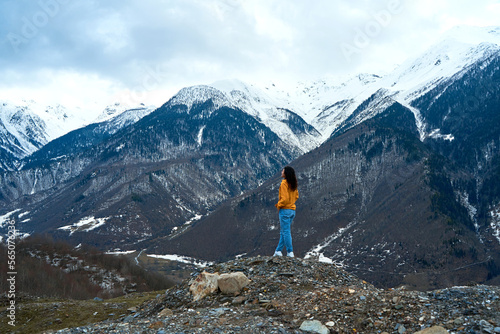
{"points": [[464, 115], [468, 108], [81, 139]]}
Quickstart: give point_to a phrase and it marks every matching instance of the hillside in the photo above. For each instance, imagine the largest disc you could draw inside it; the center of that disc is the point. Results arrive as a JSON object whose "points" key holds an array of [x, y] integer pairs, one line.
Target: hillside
{"points": [[55, 269]]}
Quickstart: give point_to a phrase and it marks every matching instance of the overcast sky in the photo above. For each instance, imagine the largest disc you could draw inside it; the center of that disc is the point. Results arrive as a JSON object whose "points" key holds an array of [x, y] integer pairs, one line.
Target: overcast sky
{"points": [[76, 52]]}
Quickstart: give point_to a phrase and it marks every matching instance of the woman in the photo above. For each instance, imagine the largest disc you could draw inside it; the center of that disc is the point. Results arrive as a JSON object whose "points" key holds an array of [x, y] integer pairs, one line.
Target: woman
{"points": [[288, 194]]}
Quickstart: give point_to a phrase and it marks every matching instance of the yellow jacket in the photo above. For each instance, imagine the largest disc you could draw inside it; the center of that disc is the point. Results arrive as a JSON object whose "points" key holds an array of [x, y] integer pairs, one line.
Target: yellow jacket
{"points": [[287, 197]]}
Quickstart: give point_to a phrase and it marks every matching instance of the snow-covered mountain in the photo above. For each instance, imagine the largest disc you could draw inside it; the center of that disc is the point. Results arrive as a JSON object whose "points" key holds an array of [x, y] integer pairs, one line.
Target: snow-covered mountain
{"points": [[327, 105], [329, 102], [457, 50], [268, 109], [303, 116], [405, 191], [27, 126]]}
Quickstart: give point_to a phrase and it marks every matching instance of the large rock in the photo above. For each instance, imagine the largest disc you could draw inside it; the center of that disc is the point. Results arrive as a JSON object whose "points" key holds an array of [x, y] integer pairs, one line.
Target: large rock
{"points": [[233, 283], [433, 330], [314, 326], [165, 312], [203, 285]]}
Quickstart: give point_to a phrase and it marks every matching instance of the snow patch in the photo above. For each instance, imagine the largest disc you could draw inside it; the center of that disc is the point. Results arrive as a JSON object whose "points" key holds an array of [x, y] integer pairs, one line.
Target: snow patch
{"points": [[84, 225], [436, 134], [183, 259], [179, 229], [464, 200], [316, 251], [120, 147], [200, 135], [419, 120], [6, 218], [495, 223], [21, 215], [272, 227], [120, 252]]}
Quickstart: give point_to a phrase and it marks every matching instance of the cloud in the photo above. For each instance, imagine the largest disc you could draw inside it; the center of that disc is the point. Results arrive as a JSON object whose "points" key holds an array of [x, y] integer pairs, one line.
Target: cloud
{"points": [[144, 49]]}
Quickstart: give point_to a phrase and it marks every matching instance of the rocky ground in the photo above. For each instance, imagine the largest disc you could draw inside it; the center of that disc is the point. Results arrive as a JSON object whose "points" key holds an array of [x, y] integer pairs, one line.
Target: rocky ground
{"points": [[292, 295]]}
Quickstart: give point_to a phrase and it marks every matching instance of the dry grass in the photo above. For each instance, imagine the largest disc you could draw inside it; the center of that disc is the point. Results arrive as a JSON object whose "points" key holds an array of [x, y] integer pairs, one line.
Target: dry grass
{"points": [[46, 315]]}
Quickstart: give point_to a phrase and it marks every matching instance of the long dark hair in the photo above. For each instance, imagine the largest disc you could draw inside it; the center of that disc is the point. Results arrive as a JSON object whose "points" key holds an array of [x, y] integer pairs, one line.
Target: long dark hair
{"points": [[290, 177]]}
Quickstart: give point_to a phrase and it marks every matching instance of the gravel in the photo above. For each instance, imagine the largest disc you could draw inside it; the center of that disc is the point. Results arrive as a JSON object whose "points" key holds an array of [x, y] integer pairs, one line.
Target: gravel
{"points": [[287, 294]]}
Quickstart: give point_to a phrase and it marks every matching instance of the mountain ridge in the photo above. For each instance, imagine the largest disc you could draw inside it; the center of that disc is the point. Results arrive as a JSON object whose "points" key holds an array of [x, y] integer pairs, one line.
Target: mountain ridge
{"points": [[458, 48], [28, 126]]}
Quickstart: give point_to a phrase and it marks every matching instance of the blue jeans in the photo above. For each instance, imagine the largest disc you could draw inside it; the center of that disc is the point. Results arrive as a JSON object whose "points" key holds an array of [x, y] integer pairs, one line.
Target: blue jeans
{"points": [[286, 219]]}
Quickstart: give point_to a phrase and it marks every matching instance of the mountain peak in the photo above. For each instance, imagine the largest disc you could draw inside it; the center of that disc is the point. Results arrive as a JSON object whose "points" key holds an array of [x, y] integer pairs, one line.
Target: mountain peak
{"points": [[190, 96], [459, 48], [118, 108], [266, 106]]}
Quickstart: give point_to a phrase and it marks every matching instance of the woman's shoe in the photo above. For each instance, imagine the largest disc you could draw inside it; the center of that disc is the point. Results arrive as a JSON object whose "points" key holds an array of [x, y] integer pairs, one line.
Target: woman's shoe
{"points": [[290, 254], [278, 253]]}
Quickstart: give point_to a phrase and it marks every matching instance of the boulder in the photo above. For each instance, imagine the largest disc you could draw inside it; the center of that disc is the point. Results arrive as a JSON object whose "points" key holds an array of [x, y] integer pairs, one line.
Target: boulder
{"points": [[233, 283], [433, 330], [203, 285], [165, 312], [314, 326]]}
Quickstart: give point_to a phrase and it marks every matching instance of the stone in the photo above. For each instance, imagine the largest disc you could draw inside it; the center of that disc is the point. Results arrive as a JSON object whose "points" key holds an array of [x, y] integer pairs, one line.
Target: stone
{"points": [[165, 312], [486, 326], [233, 283], [156, 325], [314, 326], [349, 308], [203, 285], [239, 300], [433, 330], [218, 311], [400, 328]]}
